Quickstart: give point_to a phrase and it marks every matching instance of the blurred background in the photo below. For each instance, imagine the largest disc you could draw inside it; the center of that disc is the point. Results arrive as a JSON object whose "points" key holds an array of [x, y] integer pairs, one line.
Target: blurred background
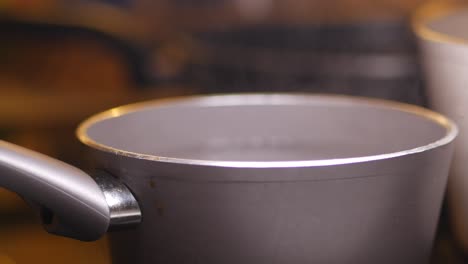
{"points": [[61, 61]]}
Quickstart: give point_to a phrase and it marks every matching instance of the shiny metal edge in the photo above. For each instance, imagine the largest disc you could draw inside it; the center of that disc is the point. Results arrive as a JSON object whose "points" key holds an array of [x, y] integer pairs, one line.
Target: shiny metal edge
{"points": [[124, 210], [434, 10], [271, 99]]}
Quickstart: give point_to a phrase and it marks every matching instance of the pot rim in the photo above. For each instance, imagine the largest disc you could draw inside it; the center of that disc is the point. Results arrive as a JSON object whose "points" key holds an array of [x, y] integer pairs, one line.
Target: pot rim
{"points": [[269, 98], [431, 11]]}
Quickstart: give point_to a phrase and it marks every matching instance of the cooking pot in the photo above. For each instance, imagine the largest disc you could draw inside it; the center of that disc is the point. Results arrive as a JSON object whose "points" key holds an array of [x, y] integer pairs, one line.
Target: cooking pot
{"points": [[443, 41], [249, 178]]}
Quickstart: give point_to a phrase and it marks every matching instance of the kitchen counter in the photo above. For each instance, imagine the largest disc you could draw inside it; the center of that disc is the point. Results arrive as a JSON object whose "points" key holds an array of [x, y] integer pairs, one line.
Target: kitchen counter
{"points": [[27, 243]]}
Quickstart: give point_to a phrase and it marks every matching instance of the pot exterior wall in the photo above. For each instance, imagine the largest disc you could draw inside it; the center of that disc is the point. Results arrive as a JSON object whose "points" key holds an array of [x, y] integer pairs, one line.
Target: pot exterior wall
{"points": [[382, 211]]}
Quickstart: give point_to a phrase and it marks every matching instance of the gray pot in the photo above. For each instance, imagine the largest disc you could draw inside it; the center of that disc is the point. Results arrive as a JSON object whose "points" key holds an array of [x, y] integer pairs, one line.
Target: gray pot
{"points": [[258, 178], [443, 41]]}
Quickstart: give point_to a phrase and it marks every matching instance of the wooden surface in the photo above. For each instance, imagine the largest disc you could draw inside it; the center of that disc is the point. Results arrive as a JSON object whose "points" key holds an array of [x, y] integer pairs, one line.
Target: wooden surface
{"points": [[28, 243], [48, 84]]}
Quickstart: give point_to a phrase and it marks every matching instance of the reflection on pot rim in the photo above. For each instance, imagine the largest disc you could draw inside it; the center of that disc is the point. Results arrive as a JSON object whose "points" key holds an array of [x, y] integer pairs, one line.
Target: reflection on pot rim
{"points": [[266, 99]]}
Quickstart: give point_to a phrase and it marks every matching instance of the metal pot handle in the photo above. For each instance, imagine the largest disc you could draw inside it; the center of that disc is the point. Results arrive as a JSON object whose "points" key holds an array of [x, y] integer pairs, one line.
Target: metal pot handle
{"points": [[72, 203]]}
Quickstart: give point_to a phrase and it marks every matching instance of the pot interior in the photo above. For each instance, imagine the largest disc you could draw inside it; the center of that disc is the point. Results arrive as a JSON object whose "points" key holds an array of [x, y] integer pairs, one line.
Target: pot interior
{"points": [[453, 24], [266, 128]]}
